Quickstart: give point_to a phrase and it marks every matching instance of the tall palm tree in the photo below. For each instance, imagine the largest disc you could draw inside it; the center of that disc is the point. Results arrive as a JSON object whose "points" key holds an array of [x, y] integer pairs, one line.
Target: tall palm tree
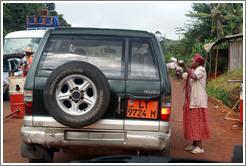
{"points": [[234, 16], [227, 18]]}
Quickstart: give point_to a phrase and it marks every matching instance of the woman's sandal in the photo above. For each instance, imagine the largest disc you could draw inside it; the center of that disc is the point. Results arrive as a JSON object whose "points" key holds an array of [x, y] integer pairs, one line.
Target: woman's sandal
{"points": [[190, 147], [197, 150]]}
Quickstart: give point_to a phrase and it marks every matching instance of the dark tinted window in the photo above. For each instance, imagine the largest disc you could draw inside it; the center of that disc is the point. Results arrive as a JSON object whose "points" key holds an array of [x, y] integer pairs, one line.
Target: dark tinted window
{"points": [[104, 52], [10, 64], [5, 65], [142, 62]]}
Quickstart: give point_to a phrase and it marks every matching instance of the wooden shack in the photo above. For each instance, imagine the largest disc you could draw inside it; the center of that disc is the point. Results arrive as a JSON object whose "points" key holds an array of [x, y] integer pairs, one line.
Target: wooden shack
{"points": [[235, 52], [235, 57]]}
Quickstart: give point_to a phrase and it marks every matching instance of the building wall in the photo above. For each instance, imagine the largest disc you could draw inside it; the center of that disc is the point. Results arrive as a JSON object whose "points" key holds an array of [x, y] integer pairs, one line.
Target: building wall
{"points": [[235, 55]]}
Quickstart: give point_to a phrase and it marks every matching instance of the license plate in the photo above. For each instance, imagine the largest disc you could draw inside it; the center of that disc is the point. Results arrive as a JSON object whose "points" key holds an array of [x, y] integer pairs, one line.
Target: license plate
{"points": [[142, 109]]}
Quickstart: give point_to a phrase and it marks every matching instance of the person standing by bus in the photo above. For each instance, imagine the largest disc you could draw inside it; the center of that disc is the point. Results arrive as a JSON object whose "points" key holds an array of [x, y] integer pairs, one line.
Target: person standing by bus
{"points": [[27, 60]]}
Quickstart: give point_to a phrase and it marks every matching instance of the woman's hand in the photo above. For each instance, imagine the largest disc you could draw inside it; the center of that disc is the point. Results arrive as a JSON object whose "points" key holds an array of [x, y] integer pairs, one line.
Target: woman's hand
{"points": [[180, 63], [179, 70]]}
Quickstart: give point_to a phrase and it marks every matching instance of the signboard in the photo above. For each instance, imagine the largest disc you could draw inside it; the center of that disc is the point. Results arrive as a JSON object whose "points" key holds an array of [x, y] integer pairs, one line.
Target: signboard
{"points": [[42, 22]]}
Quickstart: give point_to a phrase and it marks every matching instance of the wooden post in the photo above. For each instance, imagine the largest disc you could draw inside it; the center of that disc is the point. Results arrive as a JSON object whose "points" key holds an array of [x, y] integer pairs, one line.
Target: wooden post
{"points": [[209, 74], [217, 54], [206, 60], [229, 55]]}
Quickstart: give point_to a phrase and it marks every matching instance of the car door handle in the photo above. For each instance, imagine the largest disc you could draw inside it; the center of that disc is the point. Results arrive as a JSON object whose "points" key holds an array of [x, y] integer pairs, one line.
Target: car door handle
{"points": [[120, 98]]}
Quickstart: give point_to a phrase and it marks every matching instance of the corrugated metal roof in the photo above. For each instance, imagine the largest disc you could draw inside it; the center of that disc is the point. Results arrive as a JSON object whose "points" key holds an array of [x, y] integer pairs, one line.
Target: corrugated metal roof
{"points": [[209, 46]]}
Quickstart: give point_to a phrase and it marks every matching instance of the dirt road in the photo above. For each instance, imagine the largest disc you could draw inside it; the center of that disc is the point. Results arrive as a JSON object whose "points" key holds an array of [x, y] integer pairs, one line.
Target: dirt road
{"points": [[225, 134]]}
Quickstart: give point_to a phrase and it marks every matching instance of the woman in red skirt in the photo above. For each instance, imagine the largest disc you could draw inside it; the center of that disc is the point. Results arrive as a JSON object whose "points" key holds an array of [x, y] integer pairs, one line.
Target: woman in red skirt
{"points": [[195, 116]]}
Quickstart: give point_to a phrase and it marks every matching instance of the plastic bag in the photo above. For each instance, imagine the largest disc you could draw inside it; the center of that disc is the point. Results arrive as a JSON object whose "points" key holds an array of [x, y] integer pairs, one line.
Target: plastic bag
{"points": [[173, 59], [172, 65]]}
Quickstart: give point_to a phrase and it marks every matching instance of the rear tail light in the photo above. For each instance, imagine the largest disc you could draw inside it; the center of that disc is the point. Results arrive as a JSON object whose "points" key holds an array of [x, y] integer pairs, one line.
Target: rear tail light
{"points": [[165, 113], [29, 108], [28, 102], [165, 107]]}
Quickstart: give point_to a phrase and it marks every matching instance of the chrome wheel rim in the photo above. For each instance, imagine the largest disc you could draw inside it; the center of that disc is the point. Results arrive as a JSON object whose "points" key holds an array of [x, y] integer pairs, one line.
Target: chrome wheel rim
{"points": [[76, 94]]}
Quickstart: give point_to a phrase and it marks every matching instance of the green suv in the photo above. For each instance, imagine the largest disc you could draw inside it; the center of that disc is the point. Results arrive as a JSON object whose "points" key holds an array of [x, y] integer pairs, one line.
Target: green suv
{"points": [[98, 88]]}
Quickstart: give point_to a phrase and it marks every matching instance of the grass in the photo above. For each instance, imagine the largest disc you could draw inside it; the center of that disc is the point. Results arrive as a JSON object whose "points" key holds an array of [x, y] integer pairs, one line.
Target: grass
{"points": [[222, 89]]}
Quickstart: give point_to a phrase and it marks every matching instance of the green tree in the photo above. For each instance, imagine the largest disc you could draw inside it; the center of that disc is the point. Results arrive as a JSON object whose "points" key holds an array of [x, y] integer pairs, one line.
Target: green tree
{"points": [[234, 17], [209, 21], [51, 7], [63, 22], [199, 27], [14, 15], [227, 18], [166, 44]]}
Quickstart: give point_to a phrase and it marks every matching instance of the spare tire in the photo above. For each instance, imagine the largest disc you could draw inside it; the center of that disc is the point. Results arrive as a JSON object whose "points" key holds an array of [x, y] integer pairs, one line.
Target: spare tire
{"points": [[76, 94]]}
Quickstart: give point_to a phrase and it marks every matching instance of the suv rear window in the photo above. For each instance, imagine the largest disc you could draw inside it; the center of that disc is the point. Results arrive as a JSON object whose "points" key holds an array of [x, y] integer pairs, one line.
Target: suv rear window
{"points": [[142, 63], [105, 52]]}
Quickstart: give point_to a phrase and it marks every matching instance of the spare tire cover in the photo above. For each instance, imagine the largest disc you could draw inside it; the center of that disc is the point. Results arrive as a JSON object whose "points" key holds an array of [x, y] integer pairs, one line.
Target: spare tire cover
{"points": [[76, 94]]}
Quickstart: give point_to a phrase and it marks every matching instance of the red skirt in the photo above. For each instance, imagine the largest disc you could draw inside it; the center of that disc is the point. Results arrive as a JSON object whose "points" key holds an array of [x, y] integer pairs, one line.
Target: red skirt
{"points": [[195, 122]]}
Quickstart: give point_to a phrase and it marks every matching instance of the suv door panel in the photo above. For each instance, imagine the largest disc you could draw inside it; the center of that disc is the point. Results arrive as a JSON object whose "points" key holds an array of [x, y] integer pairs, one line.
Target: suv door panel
{"points": [[143, 83]]}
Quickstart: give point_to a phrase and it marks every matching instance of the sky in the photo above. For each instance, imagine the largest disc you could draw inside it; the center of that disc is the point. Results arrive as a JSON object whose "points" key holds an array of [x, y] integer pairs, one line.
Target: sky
{"points": [[151, 16]]}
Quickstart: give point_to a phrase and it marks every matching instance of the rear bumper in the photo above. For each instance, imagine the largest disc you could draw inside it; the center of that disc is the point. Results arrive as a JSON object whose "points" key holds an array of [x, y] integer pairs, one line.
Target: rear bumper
{"points": [[62, 138]]}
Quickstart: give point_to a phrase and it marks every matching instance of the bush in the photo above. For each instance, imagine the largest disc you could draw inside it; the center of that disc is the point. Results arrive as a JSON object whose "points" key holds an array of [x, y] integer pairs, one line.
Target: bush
{"points": [[229, 98], [222, 89]]}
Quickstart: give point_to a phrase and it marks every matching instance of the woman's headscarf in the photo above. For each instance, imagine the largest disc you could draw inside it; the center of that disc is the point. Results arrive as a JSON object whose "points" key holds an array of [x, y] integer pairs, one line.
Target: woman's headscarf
{"points": [[199, 59]]}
